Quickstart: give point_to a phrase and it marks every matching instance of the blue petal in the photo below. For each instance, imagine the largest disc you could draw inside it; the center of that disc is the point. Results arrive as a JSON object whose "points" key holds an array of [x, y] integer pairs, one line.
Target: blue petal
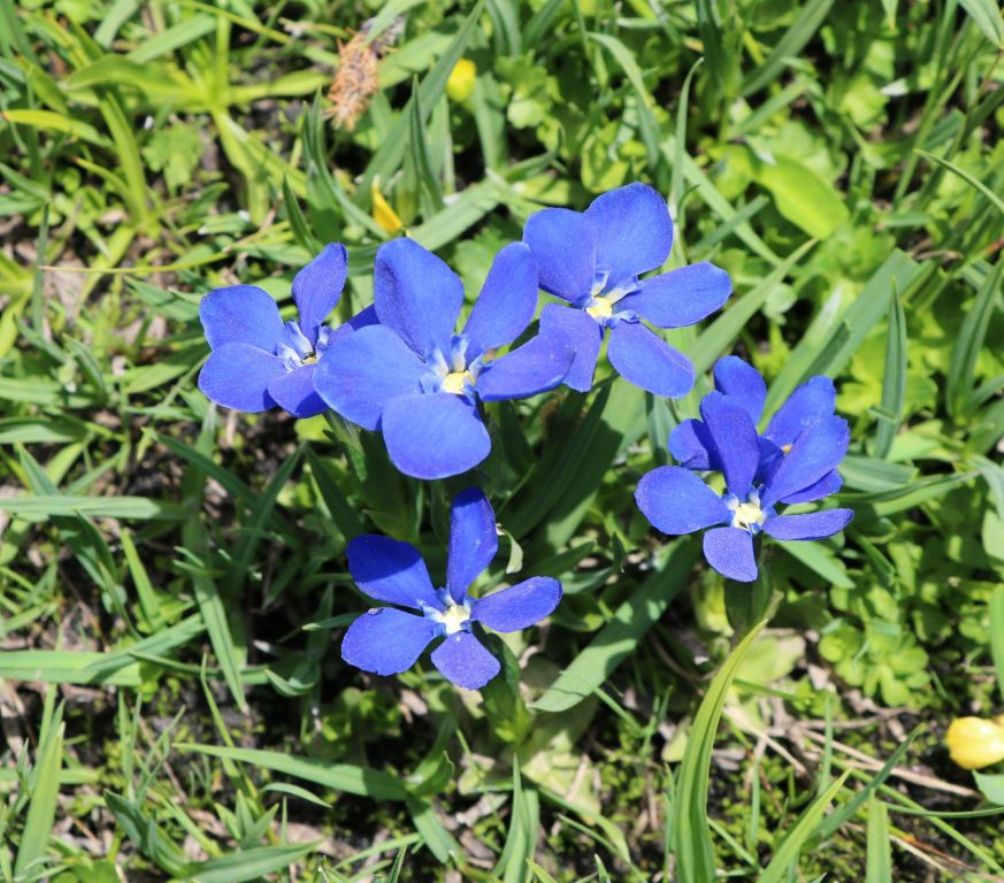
{"points": [[813, 400], [677, 502], [362, 371], [434, 435], [386, 641], [816, 452], [537, 366], [634, 232], [392, 571], [585, 336], [743, 385], [828, 484], [564, 244], [507, 301], [519, 606], [735, 440], [473, 540], [681, 297], [318, 287], [463, 660], [237, 376], [240, 314], [811, 526], [691, 446], [417, 295], [363, 319], [294, 392], [730, 551], [646, 360]]}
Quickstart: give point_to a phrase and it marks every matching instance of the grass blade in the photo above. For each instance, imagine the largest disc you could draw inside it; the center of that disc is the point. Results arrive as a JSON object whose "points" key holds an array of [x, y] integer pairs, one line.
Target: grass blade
{"points": [[618, 638], [787, 854], [695, 856], [350, 778]]}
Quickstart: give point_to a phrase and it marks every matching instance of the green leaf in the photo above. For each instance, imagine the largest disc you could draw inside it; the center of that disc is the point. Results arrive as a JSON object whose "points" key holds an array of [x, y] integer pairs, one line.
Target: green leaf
{"points": [[787, 854], [720, 334], [618, 638], [350, 778], [47, 505], [42, 806], [897, 273], [524, 825], [808, 21], [894, 380], [960, 386], [213, 610], [878, 868], [247, 864], [987, 16], [801, 195], [997, 635], [695, 856], [992, 787]]}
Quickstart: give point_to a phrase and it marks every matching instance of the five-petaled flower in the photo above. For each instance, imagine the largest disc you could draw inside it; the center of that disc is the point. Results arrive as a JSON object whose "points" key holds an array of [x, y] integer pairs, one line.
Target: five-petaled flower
{"points": [[386, 640], [761, 472], [691, 445], [413, 378], [593, 259], [257, 361]]}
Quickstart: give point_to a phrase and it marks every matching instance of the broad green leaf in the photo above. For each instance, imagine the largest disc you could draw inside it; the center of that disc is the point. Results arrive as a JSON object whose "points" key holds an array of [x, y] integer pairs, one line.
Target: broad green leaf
{"points": [[801, 195], [992, 786]]}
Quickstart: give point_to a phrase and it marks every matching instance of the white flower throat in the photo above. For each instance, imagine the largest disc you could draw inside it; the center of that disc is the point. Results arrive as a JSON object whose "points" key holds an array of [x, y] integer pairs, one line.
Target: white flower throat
{"points": [[453, 618]]}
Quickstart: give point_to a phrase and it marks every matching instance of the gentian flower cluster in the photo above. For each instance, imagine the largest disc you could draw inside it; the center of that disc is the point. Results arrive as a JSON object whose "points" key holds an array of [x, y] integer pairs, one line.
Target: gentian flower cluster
{"points": [[794, 461], [388, 640], [407, 368], [593, 260], [417, 380]]}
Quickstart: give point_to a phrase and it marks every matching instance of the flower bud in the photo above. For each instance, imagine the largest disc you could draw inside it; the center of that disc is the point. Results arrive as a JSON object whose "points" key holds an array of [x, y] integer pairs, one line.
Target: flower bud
{"points": [[461, 82], [974, 743]]}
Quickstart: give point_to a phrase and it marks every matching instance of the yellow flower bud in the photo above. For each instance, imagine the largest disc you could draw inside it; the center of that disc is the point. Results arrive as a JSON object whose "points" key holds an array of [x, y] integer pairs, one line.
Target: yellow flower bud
{"points": [[383, 214], [974, 743], [461, 82]]}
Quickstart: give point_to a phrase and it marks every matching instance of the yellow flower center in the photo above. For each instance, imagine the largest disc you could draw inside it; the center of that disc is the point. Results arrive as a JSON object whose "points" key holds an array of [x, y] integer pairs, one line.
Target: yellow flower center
{"points": [[785, 448], [453, 618], [602, 308], [309, 359], [746, 515], [457, 381]]}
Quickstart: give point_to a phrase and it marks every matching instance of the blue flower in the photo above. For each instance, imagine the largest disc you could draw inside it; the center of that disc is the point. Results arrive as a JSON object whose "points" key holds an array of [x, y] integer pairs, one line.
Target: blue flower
{"points": [[413, 378], [257, 362], [593, 259], [760, 475], [691, 445], [387, 641]]}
